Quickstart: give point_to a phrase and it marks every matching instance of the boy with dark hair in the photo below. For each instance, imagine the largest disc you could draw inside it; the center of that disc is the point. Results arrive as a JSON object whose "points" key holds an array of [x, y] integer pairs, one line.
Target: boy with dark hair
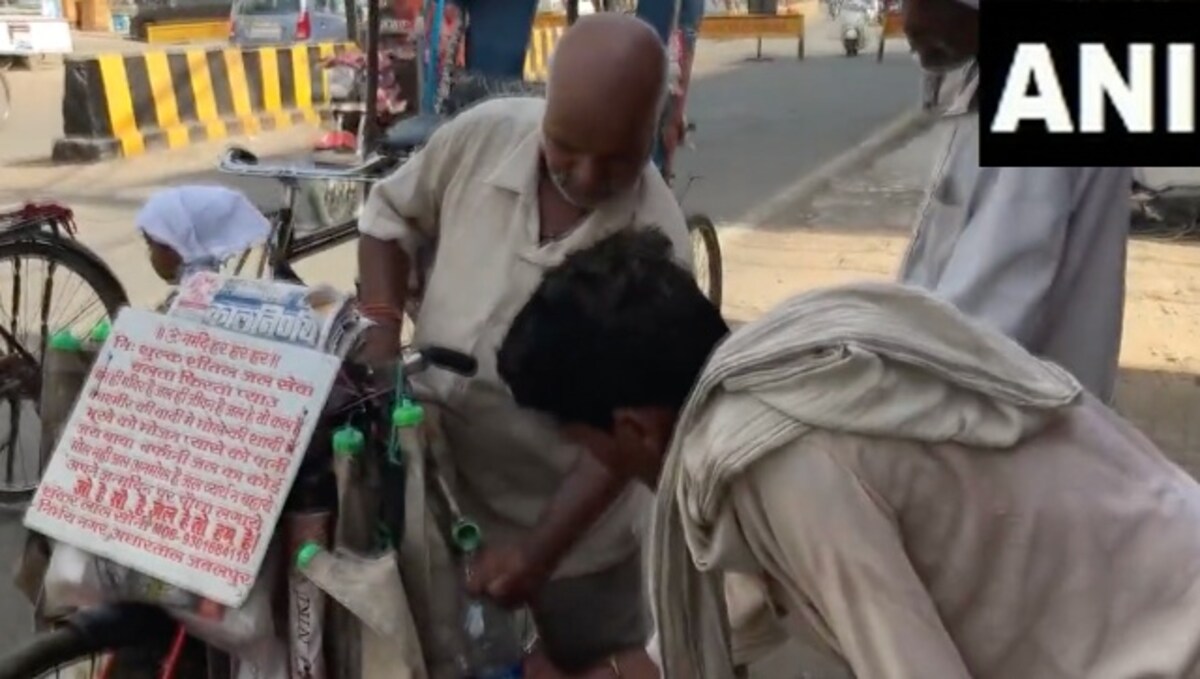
{"points": [[924, 497]]}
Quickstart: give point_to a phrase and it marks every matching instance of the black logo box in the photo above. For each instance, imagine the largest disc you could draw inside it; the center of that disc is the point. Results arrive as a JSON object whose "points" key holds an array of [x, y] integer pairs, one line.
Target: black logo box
{"points": [[1064, 25]]}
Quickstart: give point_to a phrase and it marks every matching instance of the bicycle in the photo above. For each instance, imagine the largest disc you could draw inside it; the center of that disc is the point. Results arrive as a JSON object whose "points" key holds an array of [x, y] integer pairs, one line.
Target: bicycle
{"points": [[284, 246], [150, 631], [40, 238]]}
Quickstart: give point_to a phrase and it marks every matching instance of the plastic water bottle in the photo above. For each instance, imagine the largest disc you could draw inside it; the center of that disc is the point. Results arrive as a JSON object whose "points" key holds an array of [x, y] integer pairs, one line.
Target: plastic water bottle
{"points": [[492, 646]]}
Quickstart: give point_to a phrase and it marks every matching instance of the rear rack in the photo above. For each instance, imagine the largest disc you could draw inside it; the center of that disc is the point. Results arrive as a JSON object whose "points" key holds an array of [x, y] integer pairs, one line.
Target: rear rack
{"points": [[239, 161], [58, 218]]}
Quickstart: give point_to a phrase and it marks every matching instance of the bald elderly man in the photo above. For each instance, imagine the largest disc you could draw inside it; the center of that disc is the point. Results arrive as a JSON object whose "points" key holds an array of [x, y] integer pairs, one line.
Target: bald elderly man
{"points": [[1035, 252], [498, 195]]}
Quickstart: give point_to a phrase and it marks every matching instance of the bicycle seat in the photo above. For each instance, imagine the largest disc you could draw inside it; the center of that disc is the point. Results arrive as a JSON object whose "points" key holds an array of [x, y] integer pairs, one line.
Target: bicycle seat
{"points": [[240, 155], [410, 134]]}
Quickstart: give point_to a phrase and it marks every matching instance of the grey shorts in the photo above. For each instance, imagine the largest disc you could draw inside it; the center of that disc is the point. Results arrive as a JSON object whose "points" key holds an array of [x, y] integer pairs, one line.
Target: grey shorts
{"points": [[583, 620]]}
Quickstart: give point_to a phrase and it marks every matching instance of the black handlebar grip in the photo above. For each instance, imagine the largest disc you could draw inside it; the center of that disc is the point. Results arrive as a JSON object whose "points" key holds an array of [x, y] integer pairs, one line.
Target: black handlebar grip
{"points": [[449, 359], [240, 155]]}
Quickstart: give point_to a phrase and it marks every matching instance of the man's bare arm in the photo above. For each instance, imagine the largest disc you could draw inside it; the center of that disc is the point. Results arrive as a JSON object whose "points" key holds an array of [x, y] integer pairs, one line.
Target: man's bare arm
{"points": [[383, 269], [401, 212], [588, 490]]}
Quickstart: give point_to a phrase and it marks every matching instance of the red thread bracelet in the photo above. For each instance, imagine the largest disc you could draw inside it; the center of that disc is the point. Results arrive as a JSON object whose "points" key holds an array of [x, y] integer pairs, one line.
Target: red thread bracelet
{"points": [[380, 312]]}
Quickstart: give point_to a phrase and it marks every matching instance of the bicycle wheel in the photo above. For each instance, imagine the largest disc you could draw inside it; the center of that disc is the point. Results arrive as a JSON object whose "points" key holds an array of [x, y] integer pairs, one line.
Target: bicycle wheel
{"points": [[45, 286], [706, 256], [108, 642], [60, 649]]}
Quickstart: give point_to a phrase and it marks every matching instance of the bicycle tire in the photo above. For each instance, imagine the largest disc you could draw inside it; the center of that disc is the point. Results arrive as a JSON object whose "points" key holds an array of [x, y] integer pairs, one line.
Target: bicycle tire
{"points": [[701, 228], [5, 98], [45, 653], [132, 639], [79, 261]]}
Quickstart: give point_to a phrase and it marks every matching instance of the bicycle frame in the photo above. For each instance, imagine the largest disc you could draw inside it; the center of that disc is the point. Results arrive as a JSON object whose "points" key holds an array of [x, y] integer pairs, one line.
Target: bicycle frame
{"points": [[282, 246]]}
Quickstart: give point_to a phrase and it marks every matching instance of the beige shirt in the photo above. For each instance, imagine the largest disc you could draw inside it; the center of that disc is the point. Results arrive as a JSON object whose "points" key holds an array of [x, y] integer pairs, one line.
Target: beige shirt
{"points": [[1036, 252], [466, 206], [1074, 556]]}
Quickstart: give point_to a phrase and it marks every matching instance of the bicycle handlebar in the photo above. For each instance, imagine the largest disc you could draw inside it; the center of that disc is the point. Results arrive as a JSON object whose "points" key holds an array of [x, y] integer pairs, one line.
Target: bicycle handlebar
{"points": [[239, 161], [413, 361], [423, 358]]}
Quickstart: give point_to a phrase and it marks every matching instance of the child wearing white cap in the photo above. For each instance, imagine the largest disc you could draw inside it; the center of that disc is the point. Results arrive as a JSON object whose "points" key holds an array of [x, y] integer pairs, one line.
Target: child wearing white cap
{"points": [[190, 228]]}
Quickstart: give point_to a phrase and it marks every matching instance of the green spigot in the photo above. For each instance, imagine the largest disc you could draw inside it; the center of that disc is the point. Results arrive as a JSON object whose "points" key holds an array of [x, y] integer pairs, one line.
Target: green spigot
{"points": [[466, 535], [100, 331], [407, 414], [348, 441], [63, 340], [307, 552]]}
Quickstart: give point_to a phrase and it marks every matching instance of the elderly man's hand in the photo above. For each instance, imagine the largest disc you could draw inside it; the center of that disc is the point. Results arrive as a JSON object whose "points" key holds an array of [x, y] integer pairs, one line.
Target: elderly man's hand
{"points": [[506, 574]]}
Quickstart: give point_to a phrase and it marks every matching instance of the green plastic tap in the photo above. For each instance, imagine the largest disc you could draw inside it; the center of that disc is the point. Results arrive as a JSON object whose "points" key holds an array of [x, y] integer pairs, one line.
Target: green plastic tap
{"points": [[467, 535], [348, 441], [307, 552], [63, 340], [101, 331], [407, 413]]}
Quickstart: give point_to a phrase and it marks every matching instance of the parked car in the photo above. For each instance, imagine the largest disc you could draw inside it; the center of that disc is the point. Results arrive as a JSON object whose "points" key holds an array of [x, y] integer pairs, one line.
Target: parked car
{"points": [[275, 22]]}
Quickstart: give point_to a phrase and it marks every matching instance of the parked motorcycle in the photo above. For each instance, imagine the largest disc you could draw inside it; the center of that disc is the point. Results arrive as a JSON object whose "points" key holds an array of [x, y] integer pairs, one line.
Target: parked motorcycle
{"points": [[1171, 211], [853, 22]]}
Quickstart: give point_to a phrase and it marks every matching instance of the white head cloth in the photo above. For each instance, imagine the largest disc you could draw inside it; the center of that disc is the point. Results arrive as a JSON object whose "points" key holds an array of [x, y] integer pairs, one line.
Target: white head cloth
{"points": [[203, 222]]}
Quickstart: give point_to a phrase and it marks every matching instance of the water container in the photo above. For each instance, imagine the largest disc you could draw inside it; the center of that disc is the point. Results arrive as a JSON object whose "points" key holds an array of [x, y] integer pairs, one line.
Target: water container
{"points": [[492, 647]]}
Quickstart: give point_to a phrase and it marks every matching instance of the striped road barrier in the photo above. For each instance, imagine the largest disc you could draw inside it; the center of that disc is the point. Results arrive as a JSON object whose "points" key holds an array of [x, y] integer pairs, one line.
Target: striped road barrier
{"points": [[186, 30], [548, 29], [121, 105], [542, 40], [757, 26]]}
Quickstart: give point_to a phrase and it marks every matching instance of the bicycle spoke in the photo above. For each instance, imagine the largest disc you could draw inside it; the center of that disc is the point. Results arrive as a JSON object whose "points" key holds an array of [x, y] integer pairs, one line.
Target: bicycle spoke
{"points": [[14, 403], [45, 297]]}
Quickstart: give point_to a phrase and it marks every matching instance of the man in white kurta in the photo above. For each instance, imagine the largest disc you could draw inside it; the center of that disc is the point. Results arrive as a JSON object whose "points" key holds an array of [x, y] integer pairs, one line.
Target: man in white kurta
{"points": [[1036, 252], [924, 498], [499, 194]]}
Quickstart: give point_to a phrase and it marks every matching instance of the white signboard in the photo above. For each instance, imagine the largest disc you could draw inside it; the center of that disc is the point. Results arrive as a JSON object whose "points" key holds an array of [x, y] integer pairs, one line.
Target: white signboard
{"points": [[34, 35], [181, 450]]}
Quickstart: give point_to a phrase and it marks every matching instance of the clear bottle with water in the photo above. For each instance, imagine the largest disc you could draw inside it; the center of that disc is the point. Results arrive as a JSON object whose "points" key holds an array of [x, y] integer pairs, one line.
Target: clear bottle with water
{"points": [[491, 640]]}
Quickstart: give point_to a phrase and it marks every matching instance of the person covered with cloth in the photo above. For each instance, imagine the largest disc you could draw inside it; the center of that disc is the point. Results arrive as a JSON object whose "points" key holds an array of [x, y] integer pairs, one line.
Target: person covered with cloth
{"points": [[198, 228], [921, 495], [1036, 252], [459, 237]]}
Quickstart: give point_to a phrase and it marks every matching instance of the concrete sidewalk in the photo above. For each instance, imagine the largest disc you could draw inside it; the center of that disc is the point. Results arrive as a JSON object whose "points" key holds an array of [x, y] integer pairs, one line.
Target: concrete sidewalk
{"points": [[859, 227]]}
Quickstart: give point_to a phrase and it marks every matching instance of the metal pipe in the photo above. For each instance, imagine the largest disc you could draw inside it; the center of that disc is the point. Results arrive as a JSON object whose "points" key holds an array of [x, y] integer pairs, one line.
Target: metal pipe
{"points": [[370, 132], [352, 22], [433, 66]]}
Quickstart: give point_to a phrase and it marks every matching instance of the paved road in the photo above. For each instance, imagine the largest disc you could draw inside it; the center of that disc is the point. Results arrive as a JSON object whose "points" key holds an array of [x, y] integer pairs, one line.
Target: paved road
{"points": [[761, 125]]}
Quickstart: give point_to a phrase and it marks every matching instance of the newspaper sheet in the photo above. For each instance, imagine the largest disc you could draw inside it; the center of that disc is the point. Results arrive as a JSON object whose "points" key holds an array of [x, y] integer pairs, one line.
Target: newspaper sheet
{"points": [[316, 317]]}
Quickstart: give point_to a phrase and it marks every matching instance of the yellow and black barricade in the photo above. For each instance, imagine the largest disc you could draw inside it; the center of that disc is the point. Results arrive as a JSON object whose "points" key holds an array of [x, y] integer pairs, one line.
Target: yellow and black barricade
{"points": [[120, 105]]}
